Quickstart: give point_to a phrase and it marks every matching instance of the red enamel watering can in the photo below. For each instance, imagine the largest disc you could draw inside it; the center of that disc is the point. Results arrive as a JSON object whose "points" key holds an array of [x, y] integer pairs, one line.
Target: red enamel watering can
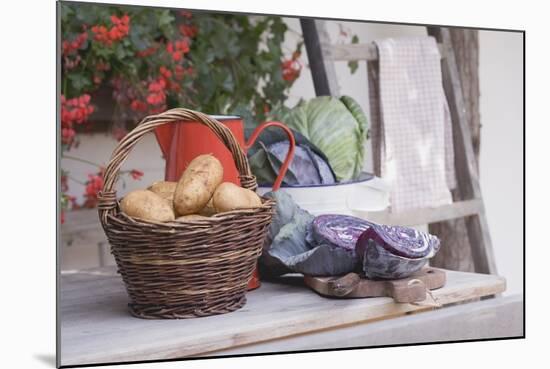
{"points": [[182, 142]]}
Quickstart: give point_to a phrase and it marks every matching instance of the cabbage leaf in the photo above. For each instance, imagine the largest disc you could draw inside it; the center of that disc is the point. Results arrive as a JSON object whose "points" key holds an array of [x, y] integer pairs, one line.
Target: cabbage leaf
{"points": [[290, 248]]}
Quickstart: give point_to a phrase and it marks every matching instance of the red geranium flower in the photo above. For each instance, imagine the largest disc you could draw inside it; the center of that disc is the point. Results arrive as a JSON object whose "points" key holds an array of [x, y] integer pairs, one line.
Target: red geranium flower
{"points": [[291, 69], [119, 30], [188, 30]]}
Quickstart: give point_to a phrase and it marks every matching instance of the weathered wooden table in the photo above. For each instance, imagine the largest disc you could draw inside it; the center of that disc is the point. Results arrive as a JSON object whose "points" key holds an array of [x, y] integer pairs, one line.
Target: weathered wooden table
{"points": [[96, 326]]}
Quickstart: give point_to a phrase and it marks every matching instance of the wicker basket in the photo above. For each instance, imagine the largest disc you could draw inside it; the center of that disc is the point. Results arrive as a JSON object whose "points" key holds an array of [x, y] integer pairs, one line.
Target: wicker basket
{"points": [[184, 270]]}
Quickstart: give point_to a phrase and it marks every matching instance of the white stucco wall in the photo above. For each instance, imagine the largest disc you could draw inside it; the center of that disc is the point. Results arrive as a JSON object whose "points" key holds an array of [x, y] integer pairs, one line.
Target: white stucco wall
{"points": [[501, 156], [501, 167]]}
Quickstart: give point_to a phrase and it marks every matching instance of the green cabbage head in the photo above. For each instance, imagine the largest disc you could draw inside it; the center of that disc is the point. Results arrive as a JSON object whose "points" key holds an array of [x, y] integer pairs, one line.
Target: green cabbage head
{"points": [[337, 126]]}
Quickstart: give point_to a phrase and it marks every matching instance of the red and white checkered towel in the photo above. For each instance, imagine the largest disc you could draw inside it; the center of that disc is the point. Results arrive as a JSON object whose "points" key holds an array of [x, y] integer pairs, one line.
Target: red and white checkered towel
{"points": [[417, 156]]}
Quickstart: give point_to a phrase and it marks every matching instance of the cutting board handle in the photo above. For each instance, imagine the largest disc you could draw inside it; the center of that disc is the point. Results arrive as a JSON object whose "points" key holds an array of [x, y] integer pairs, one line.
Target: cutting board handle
{"points": [[343, 286], [413, 290]]}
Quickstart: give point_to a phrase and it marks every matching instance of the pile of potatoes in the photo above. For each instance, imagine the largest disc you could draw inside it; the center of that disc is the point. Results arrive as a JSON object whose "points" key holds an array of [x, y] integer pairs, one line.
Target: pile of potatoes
{"points": [[198, 194]]}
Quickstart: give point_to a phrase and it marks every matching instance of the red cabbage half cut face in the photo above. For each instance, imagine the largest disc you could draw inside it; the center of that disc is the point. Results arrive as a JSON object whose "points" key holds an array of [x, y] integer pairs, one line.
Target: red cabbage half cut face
{"points": [[339, 230], [402, 241]]}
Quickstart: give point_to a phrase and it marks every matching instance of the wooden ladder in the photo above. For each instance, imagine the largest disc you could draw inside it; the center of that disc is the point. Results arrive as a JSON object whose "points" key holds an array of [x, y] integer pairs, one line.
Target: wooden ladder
{"points": [[469, 203]]}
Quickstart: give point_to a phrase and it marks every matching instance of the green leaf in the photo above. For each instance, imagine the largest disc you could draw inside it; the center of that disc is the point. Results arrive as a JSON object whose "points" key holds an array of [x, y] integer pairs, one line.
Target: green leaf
{"points": [[353, 65], [102, 51], [244, 112], [228, 84], [88, 17], [79, 81], [66, 13], [165, 18], [120, 52]]}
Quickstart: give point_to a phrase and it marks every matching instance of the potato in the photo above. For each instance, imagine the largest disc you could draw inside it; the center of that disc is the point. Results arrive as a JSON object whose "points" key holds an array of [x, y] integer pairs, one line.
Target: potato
{"points": [[208, 209], [164, 189], [147, 205], [185, 218], [228, 196], [197, 184]]}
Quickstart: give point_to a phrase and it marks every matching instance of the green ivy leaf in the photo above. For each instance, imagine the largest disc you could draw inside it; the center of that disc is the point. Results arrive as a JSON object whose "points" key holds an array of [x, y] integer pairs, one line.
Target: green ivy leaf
{"points": [[228, 84], [137, 39], [87, 17], [353, 65], [165, 18], [66, 13], [79, 81]]}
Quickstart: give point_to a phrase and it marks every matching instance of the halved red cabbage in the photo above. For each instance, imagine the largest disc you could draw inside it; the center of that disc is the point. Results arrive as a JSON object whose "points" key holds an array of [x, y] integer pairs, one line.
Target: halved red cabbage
{"points": [[403, 241], [379, 263], [394, 252], [339, 230], [290, 247]]}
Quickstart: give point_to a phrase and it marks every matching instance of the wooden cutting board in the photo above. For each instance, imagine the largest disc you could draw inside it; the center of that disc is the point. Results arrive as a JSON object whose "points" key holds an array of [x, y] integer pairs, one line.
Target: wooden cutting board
{"points": [[407, 290]]}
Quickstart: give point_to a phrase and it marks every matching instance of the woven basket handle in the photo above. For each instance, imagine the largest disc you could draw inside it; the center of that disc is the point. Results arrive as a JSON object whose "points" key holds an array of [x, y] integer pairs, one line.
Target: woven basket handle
{"points": [[107, 196]]}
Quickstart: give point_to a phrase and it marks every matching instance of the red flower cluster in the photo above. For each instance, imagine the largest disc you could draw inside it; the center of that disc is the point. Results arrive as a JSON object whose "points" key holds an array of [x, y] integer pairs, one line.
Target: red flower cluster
{"points": [[165, 72], [188, 30], [76, 110], [291, 69], [93, 186], [166, 75], [180, 72], [156, 88], [147, 52], [101, 66], [139, 106], [119, 30], [71, 46], [67, 135], [178, 49], [155, 100], [73, 111]]}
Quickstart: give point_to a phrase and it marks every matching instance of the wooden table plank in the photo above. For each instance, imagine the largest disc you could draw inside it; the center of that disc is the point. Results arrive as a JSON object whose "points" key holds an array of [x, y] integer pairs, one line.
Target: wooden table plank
{"points": [[491, 318], [96, 327]]}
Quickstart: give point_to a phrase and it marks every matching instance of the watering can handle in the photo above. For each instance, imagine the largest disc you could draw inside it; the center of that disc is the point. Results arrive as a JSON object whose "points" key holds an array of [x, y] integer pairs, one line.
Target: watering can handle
{"points": [[289, 155]]}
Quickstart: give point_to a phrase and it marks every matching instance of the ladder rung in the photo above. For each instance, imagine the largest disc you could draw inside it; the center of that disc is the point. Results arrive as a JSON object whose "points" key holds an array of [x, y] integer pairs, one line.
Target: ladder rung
{"points": [[459, 209], [352, 52]]}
